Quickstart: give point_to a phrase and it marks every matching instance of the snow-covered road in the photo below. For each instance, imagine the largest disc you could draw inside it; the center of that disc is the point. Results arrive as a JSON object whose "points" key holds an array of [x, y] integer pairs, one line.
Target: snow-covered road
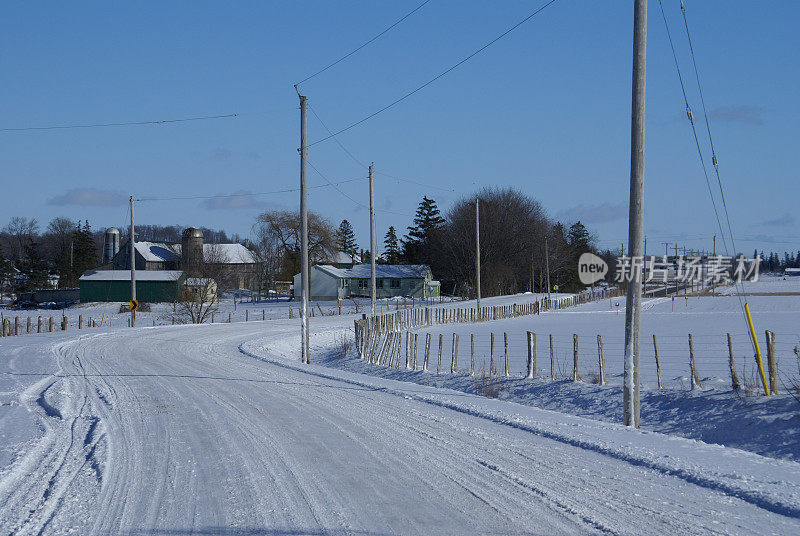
{"points": [[180, 431]]}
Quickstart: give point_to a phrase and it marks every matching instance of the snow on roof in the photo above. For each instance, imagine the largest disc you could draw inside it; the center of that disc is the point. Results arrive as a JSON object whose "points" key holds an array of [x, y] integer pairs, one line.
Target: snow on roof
{"points": [[125, 275], [225, 253], [158, 252], [342, 257], [363, 271], [332, 270]]}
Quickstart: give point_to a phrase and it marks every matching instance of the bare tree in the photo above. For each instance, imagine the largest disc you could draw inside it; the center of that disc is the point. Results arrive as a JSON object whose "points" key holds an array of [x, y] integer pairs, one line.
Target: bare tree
{"points": [[283, 229], [21, 231], [269, 253], [513, 227], [200, 296]]}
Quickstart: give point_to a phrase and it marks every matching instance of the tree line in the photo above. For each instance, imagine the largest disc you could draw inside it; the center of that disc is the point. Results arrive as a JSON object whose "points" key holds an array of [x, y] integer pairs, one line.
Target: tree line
{"points": [[518, 241], [32, 257]]}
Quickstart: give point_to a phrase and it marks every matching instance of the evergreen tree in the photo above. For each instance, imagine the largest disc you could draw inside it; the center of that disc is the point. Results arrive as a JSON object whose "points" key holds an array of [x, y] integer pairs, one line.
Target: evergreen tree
{"points": [[391, 246], [346, 238], [418, 245], [34, 268], [426, 221]]}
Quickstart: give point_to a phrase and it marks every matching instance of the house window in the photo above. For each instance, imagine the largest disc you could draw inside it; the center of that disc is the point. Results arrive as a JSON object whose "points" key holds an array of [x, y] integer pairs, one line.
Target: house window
{"points": [[395, 283]]}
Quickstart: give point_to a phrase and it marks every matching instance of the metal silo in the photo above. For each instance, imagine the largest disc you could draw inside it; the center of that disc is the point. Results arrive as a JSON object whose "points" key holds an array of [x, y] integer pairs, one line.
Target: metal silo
{"points": [[192, 251], [110, 244]]}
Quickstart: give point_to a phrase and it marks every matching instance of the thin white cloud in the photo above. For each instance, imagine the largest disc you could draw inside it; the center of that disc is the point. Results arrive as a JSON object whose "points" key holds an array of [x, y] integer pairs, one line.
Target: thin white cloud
{"points": [[88, 197], [743, 113], [241, 199]]}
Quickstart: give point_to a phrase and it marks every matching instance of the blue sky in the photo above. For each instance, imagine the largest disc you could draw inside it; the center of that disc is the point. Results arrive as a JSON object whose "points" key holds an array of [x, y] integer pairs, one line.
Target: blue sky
{"points": [[545, 110]]}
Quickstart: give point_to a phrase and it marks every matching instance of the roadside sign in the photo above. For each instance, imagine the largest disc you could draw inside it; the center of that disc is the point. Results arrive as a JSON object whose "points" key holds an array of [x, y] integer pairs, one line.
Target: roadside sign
{"points": [[555, 288], [134, 305]]}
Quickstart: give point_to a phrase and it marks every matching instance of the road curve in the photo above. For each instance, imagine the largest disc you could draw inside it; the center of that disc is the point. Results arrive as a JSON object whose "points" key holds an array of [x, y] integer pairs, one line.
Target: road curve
{"points": [[173, 431]]}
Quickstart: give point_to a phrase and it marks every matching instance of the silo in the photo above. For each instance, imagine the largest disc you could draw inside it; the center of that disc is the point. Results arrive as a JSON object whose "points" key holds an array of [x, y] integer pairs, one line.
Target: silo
{"points": [[192, 252], [110, 244]]}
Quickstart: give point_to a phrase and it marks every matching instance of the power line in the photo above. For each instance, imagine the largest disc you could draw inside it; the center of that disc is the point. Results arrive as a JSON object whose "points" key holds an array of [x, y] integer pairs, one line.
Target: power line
{"points": [[348, 153], [359, 162], [245, 194], [714, 160], [395, 23], [139, 123], [360, 204], [440, 75]]}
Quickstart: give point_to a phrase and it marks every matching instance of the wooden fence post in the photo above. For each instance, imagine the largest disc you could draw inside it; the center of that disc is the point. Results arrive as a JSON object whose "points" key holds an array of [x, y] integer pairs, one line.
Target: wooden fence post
{"points": [[416, 341], [39, 325], [552, 359], [693, 369], [492, 370], [575, 376], [505, 351], [80, 321], [50, 323], [28, 326], [427, 351], [454, 361], [472, 354], [439, 360], [772, 363], [601, 360], [732, 365], [658, 363], [531, 355]]}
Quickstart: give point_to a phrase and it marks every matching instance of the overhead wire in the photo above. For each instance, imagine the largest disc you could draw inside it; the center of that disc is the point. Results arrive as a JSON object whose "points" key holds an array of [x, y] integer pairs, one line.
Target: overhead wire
{"points": [[351, 198], [739, 293], [139, 123], [395, 23], [438, 76], [714, 159], [359, 162]]}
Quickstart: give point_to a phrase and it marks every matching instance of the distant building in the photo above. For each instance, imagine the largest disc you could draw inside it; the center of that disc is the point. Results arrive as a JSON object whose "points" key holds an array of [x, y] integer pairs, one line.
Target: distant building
{"points": [[794, 272], [115, 285], [232, 265], [329, 282]]}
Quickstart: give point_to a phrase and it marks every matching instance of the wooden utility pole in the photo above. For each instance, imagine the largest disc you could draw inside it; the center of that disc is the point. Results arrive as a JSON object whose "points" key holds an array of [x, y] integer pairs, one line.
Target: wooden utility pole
{"points": [[478, 257], [304, 276], [633, 304], [547, 264], [133, 269], [714, 254], [372, 246]]}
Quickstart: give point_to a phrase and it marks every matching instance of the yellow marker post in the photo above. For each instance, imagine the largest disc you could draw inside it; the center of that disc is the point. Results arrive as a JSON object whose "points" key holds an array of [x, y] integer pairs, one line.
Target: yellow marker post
{"points": [[101, 319], [758, 350]]}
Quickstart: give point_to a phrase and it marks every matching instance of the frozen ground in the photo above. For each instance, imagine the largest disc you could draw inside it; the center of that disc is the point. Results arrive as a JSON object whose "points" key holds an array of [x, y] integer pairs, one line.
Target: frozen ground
{"points": [[769, 284], [217, 429]]}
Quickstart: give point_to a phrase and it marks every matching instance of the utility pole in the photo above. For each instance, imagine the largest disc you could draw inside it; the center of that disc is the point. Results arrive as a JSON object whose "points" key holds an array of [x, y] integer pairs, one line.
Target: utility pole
{"points": [[133, 269], [71, 252], [372, 246], [676, 269], [644, 265], [478, 256], [304, 276], [715, 254], [633, 304], [547, 264]]}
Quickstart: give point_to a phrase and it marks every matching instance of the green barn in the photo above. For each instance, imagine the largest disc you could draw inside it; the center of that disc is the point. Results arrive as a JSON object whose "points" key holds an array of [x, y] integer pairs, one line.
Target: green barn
{"points": [[152, 286]]}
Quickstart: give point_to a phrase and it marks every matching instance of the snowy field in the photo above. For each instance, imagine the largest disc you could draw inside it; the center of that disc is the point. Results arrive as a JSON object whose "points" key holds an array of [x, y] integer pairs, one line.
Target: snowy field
{"points": [[218, 429], [769, 284]]}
